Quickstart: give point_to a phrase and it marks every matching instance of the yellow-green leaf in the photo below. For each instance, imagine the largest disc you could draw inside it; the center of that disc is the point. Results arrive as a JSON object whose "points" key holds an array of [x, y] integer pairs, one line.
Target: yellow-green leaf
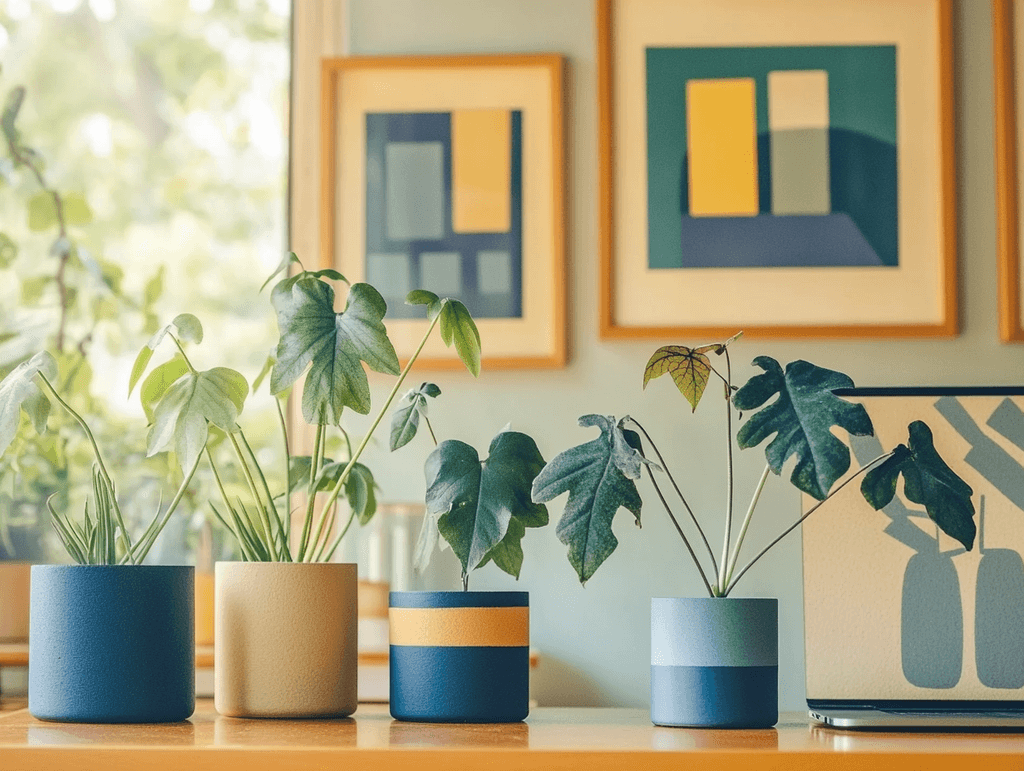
{"points": [[690, 369]]}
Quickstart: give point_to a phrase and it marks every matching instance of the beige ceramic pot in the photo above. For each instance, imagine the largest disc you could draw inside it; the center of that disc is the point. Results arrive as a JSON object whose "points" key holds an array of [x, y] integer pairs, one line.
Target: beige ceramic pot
{"points": [[14, 601], [285, 639]]}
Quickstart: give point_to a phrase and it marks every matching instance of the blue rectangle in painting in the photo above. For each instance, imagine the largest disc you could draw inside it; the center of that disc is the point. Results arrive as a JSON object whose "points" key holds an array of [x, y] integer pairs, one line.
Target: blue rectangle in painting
{"points": [[387, 129]]}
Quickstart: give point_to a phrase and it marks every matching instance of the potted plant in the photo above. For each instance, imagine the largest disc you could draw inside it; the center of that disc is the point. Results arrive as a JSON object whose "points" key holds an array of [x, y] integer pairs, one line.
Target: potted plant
{"points": [[464, 656], [285, 615], [714, 660], [111, 639]]}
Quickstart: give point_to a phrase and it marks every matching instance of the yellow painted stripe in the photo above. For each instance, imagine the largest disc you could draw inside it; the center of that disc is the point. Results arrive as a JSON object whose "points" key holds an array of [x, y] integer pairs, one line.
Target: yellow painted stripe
{"points": [[481, 171], [460, 627], [722, 131]]}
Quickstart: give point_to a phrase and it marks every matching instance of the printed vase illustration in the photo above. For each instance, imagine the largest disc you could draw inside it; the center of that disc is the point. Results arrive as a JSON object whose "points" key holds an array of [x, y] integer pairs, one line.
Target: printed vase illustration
{"points": [[714, 662], [112, 643], [460, 657]]}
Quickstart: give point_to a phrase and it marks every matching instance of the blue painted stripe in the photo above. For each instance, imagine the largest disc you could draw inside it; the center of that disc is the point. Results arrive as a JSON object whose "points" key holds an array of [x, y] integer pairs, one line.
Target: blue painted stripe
{"points": [[459, 599], [460, 685], [715, 697]]}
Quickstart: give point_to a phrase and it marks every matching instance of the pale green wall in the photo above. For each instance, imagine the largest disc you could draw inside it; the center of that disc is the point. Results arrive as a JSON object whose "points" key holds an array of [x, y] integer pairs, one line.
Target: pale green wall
{"points": [[595, 641]]}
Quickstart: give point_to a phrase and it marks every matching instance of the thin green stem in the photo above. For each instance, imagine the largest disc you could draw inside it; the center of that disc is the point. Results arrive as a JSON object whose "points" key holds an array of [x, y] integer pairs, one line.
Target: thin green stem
{"points": [[746, 523], [430, 429], [307, 522], [330, 525], [269, 538], [341, 535], [286, 555], [170, 509], [810, 511], [668, 473], [693, 556], [729, 468], [287, 467], [183, 354], [380, 416]]}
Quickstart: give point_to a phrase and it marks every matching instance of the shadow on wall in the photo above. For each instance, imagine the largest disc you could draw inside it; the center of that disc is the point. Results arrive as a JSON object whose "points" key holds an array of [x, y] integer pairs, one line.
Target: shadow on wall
{"points": [[554, 683]]}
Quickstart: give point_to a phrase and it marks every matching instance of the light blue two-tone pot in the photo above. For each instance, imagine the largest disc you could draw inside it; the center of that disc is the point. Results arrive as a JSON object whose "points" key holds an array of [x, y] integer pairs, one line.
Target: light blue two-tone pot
{"points": [[112, 644], [715, 662]]}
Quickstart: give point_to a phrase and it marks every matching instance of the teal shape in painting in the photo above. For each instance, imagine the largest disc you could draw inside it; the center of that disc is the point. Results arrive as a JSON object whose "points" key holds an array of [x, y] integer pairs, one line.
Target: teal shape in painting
{"points": [[862, 228]]}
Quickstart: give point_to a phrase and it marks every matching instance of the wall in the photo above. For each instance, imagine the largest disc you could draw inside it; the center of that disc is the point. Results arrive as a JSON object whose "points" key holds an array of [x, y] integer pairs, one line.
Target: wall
{"points": [[595, 640]]}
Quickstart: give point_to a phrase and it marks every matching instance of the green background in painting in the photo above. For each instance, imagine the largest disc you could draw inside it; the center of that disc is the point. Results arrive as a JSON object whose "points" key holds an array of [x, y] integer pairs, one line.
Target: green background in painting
{"points": [[861, 95]]}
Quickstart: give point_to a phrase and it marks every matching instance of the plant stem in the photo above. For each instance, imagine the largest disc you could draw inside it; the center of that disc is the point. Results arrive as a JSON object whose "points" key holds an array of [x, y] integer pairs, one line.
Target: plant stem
{"points": [[286, 555], [704, 578], [224, 495], [264, 517], [746, 523], [170, 509], [430, 429], [183, 354], [693, 517], [380, 416], [287, 469], [465, 582], [307, 522], [810, 511], [729, 469]]}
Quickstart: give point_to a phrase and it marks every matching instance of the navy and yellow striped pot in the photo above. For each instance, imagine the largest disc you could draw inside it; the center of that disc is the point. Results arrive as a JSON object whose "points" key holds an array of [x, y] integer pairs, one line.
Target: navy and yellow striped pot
{"points": [[460, 657], [715, 662]]}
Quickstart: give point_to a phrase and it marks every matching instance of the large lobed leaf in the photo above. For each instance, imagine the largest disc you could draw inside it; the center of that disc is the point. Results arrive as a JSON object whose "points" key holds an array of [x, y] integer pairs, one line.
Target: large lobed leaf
{"points": [[484, 507], [19, 392], [598, 476], [928, 481], [216, 395], [332, 345], [801, 418]]}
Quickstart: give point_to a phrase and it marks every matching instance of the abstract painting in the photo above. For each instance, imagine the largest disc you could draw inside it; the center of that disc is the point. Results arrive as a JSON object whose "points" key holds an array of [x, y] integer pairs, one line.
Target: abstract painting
{"points": [[446, 173]]}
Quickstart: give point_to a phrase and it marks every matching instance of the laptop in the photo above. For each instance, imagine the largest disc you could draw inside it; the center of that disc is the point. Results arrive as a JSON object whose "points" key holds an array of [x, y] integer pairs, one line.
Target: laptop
{"points": [[904, 628]]}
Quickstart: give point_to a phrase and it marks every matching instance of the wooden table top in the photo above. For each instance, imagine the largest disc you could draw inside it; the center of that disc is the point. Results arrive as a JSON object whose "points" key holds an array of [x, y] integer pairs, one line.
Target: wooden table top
{"points": [[591, 739]]}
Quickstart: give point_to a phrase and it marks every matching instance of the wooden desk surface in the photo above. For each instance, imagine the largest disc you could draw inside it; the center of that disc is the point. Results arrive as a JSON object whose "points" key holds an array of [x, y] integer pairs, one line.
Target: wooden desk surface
{"points": [[570, 738]]}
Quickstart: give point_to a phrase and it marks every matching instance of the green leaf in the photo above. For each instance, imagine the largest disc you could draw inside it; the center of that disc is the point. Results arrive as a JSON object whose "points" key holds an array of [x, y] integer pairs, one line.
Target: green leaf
{"points": [[267, 366], [360, 491], [458, 326], [423, 297], [32, 289], [42, 211], [476, 501], [154, 288], [598, 476], [19, 391], [281, 267], [189, 329], [801, 418], [406, 419], [12, 105], [927, 480], [158, 381], [8, 250], [216, 395], [76, 209], [690, 369], [141, 362], [332, 345], [329, 273]]}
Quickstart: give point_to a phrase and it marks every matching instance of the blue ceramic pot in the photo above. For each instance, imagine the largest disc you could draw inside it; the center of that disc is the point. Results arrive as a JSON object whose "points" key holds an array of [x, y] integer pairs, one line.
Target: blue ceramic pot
{"points": [[112, 644], [460, 657], [715, 662]]}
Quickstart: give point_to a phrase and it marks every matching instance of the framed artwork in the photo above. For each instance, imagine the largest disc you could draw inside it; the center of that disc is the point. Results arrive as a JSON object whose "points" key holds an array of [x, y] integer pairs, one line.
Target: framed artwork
{"points": [[446, 174], [788, 172], [1008, 42]]}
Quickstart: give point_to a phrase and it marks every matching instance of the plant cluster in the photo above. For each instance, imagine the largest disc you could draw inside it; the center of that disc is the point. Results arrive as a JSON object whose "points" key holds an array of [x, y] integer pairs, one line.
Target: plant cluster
{"points": [[797, 408]]}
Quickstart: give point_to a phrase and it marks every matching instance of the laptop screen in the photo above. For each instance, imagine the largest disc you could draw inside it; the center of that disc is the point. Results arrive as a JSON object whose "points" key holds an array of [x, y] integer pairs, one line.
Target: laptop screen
{"points": [[895, 610]]}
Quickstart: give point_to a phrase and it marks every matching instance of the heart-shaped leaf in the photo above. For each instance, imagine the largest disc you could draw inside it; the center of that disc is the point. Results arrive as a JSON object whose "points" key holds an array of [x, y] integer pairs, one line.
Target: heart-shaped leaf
{"points": [[216, 395], [332, 345], [475, 500], [598, 476], [690, 369], [801, 418], [928, 481], [158, 381], [457, 326], [189, 329], [406, 419], [19, 391]]}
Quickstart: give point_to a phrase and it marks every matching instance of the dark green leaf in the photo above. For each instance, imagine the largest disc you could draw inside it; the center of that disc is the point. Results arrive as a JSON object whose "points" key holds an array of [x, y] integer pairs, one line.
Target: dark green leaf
{"points": [[927, 480], [423, 297], [458, 326], [360, 491], [330, 273], [332, 345], [406, 419], [801, 418], [690, 369], [475, 501], [599, 478], [19, 391]]}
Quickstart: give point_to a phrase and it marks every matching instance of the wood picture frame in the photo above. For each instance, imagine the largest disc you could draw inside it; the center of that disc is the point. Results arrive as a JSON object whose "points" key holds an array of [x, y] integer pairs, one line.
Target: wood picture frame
{"points": [[450, 170], [913, 296], [1007, 41]]}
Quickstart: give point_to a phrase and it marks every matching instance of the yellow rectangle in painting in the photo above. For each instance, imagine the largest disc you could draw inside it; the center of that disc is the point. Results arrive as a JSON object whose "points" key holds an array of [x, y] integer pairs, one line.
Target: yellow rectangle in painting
{"points": [[721, 123], [481, 171]]}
